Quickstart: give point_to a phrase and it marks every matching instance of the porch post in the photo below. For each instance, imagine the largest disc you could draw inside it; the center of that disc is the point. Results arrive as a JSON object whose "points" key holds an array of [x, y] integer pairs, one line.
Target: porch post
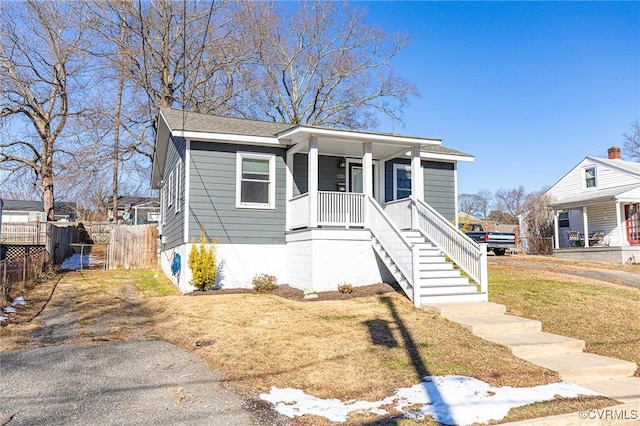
{"points": [[313, 182], [585, 222], [288, 189], [619, 223], [417, 176], [556, 232], [367, 166]]}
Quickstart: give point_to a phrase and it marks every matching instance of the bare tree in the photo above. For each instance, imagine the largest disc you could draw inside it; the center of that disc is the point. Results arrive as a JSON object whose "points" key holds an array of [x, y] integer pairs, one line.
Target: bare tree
{"points": [[511, 201], [42, 63], [324, 65], [632, 141], [539, 222]]}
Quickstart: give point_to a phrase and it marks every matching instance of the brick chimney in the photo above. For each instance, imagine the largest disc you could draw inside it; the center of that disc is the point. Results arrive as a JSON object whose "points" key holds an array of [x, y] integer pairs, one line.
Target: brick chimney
{"points": [[614, 153]]}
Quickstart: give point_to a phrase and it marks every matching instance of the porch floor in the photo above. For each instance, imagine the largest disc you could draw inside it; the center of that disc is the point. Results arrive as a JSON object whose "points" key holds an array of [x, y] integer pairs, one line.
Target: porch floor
{"points": [[629, 254]]}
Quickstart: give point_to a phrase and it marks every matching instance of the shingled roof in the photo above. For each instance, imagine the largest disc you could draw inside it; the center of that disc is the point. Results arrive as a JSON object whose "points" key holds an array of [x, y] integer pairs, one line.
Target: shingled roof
{"points": [[197, 122]]}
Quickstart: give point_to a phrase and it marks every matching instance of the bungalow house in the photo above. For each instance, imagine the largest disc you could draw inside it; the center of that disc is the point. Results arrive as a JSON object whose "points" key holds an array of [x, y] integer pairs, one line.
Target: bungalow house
{"points": [[313, 206], [596, 210], [21, 211], [136, 210]]}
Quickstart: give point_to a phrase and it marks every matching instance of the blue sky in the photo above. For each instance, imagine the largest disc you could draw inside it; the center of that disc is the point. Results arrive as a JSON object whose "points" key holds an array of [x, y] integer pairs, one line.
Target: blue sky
{"points": [[529, 88]]}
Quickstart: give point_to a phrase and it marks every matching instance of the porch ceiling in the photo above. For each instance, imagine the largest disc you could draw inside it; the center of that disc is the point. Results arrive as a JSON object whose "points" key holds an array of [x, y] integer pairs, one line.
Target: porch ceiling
{"points": [[598, 196]]}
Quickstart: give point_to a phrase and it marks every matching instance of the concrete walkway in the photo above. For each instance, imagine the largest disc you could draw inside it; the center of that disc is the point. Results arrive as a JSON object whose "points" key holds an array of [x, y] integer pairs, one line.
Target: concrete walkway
{"points": [[610, 377]]}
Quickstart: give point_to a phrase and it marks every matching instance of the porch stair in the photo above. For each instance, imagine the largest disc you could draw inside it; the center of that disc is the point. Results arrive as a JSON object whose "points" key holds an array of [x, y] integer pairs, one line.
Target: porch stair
{"points": [[608, 376], [437, 279]]}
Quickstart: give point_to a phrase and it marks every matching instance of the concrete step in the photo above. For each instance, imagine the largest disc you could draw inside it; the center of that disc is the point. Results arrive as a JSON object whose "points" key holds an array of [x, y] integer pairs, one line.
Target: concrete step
{"points": [[525, 345], [624, 389], [467, 309], [470, 297], [492, 325], [585, 366]]}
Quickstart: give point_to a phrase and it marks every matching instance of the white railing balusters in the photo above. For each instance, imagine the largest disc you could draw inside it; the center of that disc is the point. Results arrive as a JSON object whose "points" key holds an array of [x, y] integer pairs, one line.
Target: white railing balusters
{"points": [[466, 253]]}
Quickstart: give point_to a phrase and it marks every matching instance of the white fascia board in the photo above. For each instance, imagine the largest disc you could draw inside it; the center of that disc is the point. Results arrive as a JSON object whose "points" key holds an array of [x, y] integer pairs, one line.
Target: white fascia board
{"points": [[160, 151], [358, 136], [446, 157], [230, 138]]}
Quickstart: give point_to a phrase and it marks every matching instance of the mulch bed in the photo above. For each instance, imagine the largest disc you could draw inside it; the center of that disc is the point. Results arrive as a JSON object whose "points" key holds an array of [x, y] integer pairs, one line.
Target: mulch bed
{"points": [[287, 292]]}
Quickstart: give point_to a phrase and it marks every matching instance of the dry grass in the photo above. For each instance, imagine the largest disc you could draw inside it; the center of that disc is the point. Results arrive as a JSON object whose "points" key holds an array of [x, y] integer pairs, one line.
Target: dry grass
{"points": [[606, 316], [358, 349], [363, 348]]}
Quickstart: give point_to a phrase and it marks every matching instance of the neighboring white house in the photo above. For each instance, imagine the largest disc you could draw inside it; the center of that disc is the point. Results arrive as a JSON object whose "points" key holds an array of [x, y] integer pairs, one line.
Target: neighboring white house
{"points": [[313, 206], [596, 210], [27, 211]]}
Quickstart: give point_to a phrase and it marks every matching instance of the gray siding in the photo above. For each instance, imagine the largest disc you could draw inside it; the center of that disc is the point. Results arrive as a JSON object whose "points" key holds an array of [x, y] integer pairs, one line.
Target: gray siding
{"points": [[213, 197], [173, 228], [329, 173], [439, 185]]}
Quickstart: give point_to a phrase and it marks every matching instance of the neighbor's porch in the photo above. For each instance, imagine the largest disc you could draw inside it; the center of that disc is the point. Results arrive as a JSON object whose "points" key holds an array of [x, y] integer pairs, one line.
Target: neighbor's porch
{"points": [[605, 228]]}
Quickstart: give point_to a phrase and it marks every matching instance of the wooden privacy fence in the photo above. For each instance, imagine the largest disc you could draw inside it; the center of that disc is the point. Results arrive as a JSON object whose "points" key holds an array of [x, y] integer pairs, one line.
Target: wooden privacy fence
{"points": [[23, 233], [59, 240], [133, 247]]}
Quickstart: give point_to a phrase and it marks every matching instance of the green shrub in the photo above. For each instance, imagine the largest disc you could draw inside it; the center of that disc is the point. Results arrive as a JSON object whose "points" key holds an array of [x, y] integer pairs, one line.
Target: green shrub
{"points": [[202, 261], [264, 283], [345, 288]]}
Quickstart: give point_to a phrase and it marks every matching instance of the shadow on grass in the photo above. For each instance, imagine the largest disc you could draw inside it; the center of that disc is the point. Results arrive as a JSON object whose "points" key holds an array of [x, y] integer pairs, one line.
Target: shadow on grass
{"points": [[381, 334]]}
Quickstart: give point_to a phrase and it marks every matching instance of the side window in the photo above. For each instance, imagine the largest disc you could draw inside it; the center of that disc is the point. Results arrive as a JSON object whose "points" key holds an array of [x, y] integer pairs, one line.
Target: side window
{"points": [[255, 180], [178, 185], [563, 219], [590, 177], [401, 181]]}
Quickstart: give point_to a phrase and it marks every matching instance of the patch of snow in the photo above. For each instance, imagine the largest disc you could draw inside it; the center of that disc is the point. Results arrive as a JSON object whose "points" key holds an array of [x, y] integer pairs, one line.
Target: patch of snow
{"points": [[453, 400], [18, 301], [72, 263], [9, 310]]}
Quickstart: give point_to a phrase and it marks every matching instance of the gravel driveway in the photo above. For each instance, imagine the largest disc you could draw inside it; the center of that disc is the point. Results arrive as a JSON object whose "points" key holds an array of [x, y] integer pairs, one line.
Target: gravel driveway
{"points": [[119, 383], [71, 379]]}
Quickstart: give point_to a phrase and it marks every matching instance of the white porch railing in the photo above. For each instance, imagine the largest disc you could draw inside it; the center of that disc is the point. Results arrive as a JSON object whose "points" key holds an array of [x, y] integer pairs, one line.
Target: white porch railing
{"points": [[470, 256], [299, 211], [396, 246], [400, 211], [333, 209], [341, 208]]}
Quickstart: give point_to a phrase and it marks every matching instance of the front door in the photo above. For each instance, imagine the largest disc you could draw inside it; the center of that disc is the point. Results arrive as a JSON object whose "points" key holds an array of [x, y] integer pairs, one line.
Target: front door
{"points": [[355, 178], [632, 221]]}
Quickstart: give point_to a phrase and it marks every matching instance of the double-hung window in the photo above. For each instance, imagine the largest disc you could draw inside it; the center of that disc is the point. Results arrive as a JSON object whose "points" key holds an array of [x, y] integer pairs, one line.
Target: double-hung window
{"points": [[401, 181], [590, 177], [255, 180]]}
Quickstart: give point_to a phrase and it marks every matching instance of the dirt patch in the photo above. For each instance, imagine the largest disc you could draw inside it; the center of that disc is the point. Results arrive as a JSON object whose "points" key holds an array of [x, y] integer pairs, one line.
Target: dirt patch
{"points": [[291, 293]]}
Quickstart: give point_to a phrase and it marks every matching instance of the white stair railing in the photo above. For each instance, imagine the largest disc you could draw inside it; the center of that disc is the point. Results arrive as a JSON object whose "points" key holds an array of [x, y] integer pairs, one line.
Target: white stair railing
{"points": [[401, 252], [470, 256]]}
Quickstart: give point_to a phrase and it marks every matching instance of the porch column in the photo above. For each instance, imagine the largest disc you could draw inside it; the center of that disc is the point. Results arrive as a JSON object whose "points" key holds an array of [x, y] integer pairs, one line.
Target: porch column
{"points": [[417, 177], [289, 188], [556, 232], [585, 222], [367, 169], [619, 224], [313, 182]]}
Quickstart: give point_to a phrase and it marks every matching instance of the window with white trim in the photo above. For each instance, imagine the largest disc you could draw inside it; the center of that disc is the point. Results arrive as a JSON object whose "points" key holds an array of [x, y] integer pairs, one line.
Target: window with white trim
{"points": [[563, 219], [590, 177], [178, 185], [170, 190], [255, 180], [401, 181], [163, 203]]}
